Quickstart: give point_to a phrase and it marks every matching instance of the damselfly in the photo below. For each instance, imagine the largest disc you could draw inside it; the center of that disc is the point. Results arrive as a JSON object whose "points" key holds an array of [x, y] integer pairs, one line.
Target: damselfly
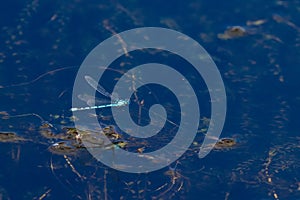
{"points": [[115, 101]]}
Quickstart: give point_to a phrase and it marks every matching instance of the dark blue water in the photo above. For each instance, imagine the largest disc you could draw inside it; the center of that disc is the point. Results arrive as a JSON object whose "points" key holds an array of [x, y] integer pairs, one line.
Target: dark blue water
{"points": [[43, 44]]}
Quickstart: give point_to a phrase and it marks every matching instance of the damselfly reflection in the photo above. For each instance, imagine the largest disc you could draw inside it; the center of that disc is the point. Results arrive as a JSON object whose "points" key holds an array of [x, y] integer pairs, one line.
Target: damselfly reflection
{"points": [[115, 101]]}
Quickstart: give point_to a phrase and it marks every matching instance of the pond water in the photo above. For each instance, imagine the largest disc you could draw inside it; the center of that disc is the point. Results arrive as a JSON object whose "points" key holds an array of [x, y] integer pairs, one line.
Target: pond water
{"points": [[255, 45]]}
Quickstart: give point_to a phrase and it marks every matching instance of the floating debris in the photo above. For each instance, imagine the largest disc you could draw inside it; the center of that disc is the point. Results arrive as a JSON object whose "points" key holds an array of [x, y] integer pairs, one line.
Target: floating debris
{"points": [[170, 23], [256, 23], [110, 132], [46, 131], [10, 137], [64, 147], [120, 144], [4, 115], [233, 32], [225, 143], [74, 139]]}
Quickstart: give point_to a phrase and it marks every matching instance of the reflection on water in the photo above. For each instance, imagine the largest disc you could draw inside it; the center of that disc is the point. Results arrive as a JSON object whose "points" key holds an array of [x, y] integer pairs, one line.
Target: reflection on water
{"points": [[254, 43]]}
